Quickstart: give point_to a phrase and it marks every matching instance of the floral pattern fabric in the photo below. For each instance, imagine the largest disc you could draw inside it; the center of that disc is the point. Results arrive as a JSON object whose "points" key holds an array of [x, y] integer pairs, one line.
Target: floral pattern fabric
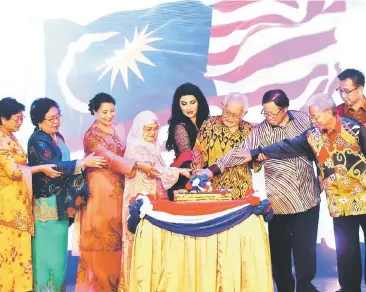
{"points": [[16, 220], [142, 183], [101, 220], [42, 149], [342, 163]]}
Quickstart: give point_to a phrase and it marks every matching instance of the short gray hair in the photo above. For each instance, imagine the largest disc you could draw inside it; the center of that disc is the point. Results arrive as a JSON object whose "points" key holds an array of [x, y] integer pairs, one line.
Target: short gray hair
{"points": [[323, 102], [237, 96]]}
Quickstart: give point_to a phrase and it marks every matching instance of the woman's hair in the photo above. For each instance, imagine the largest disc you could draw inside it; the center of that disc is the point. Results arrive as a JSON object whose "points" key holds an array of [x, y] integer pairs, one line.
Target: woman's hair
{"points": [[8, 107], [278, 96], [97, 100], [40, 108], [178, 117]]}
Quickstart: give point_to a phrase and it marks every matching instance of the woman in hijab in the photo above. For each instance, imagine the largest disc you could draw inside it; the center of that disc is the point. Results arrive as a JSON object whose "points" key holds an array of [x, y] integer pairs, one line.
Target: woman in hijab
{"points": [[142, 144]]}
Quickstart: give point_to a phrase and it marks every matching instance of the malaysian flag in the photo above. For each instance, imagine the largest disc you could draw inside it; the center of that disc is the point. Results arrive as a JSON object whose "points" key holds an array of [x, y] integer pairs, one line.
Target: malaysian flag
{"points": [[141, 56]]}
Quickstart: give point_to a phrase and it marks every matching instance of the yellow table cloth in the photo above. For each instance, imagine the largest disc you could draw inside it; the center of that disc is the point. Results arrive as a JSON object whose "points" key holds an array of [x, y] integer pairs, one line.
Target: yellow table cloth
{"points": [[237, 259]]}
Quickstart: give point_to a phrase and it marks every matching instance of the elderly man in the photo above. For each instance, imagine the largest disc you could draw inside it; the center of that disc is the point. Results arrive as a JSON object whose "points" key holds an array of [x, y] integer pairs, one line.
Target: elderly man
{"points": [[217, 136], [339, 145], [351, 85], [293, 190]]}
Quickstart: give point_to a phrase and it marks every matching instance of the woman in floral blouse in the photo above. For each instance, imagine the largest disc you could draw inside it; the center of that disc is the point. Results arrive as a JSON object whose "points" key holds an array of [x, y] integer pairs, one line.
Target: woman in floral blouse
{"points": [[55, 198], [142, 143], [16, 220]]}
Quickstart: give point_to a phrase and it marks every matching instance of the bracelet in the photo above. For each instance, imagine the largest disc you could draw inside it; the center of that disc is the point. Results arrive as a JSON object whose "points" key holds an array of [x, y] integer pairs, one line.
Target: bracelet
{"points": [[135, 166]]}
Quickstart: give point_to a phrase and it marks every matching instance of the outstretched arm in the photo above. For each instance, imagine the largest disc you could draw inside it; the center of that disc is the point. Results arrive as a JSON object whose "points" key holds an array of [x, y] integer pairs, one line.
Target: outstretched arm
{"points": [[94, 143], [288, 148]]}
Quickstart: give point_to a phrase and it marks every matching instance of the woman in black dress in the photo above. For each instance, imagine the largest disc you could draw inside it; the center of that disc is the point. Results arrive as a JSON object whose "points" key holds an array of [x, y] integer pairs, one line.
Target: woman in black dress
{"points": [[189, 110]]}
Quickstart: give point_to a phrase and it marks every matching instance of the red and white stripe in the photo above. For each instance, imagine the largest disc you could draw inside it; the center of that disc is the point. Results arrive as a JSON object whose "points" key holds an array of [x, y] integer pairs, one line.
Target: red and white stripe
{"points": [[260, 45]]}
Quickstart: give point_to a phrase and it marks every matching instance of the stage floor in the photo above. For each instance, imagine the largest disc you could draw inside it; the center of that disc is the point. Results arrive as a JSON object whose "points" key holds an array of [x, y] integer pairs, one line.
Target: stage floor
{"points": [[323, 284]]}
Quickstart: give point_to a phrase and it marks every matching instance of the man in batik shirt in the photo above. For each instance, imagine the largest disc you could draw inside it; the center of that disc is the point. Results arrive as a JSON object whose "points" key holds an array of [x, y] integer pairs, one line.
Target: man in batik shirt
{"points": [[339, 146], [293, 190], [351, 85], [217, 136]]}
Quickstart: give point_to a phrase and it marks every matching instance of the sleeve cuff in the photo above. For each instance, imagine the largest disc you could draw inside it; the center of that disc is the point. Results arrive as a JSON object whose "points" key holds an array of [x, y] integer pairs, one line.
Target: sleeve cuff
{"points": [[255, 152], [78, 168], [215, 169]]}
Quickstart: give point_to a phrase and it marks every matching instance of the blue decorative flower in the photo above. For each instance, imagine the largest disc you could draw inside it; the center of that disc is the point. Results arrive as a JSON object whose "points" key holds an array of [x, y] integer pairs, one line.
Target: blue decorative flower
{"points": [[134, 218], [265, 209]]}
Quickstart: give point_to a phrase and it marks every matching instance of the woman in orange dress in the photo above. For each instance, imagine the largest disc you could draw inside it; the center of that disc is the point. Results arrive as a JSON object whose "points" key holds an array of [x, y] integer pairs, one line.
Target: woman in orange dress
{"points": [[101, 220], [16, 219], [142, 144]]}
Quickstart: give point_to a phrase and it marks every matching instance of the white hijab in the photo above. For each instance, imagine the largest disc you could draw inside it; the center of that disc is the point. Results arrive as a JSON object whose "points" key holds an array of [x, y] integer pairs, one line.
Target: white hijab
{"points": [[135, 137]]}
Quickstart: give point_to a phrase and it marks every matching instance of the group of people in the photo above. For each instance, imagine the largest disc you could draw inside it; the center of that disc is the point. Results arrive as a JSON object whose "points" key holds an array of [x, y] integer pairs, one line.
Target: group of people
{"points": [[42, 189]]}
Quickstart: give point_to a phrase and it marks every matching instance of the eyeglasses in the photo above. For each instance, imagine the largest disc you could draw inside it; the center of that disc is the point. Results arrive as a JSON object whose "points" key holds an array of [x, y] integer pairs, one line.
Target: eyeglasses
{"points": [[269, 114], [229, 114], [150, 130], [53, 119], [18, 119], [316, 118], [345, 92]]}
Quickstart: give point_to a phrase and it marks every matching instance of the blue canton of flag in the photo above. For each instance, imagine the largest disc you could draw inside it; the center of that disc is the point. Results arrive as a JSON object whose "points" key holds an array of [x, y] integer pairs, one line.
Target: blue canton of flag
{"points": [[139, 57]]}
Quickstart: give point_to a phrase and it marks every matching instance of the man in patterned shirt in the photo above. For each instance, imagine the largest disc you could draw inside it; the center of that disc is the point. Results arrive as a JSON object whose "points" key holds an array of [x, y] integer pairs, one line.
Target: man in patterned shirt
{"points": [[217, 136], [293, 190], [351, 85], [339, 145]]}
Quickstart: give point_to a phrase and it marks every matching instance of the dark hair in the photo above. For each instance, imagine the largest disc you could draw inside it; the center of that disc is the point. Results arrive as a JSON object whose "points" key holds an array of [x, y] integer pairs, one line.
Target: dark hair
{"points": [[357, 76], [278, 96], [178, 117], [40, 108], [97, 100], [8, 107]]}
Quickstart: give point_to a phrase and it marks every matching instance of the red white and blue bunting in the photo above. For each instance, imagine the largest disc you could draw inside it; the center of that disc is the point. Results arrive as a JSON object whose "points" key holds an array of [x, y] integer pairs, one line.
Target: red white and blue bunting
{"points": [[196, 219]]}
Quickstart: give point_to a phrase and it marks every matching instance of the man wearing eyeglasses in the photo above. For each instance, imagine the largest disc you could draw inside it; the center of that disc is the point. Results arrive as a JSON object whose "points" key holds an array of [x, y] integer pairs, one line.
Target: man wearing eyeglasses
{"points": [[351, 85], [217, 136], [339, 145], [293, 190]]}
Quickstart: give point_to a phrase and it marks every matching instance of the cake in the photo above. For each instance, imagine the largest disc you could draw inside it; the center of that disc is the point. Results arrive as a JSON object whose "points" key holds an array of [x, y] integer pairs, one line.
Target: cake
{"points": [[198, 189], [184, 195]]}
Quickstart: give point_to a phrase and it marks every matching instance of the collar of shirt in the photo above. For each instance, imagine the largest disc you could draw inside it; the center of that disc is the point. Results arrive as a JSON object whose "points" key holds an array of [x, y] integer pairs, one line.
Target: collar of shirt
{"points": [[241, 125], [5, 131], [332, 134], [363, 106]]}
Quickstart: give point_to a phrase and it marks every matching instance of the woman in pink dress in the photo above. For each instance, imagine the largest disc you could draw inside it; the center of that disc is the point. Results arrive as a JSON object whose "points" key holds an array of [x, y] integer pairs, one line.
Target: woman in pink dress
{"points": [[101, 220]]}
